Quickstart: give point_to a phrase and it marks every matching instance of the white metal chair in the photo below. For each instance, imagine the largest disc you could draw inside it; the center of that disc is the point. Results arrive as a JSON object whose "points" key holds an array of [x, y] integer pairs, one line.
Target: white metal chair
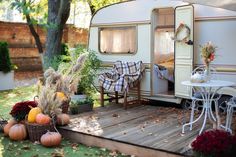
{"points": [[231, 106], [197, 97]]}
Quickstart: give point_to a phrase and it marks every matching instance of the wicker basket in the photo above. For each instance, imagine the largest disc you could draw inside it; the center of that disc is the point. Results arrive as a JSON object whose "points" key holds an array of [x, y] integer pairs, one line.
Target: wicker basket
{"points": [[35, 131], [65, 106]]}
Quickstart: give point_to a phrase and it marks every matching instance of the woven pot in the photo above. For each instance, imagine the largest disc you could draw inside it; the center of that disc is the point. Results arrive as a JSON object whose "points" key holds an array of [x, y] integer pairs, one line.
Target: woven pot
{"points": [[35, 131]]}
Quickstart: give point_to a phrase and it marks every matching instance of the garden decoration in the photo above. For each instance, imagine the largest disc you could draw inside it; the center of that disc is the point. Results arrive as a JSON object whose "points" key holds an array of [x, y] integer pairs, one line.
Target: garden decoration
{"points": [[214, 143], [63, 119], [64, 81], [7, 127], [208, 55], [183, 27], [18, 132], [50, 139]]}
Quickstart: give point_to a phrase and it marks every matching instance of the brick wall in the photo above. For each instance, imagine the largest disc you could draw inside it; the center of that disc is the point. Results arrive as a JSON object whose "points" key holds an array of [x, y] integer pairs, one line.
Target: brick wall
{"points": [[23, 51]]}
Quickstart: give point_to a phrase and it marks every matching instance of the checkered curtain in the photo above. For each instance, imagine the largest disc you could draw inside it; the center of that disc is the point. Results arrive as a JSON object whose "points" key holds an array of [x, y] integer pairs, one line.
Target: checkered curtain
{"points": [[123, 76]]}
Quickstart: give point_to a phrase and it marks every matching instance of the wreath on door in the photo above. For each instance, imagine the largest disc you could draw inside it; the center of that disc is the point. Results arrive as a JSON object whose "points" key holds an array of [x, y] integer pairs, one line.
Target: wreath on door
{"points": [[185, 39]]}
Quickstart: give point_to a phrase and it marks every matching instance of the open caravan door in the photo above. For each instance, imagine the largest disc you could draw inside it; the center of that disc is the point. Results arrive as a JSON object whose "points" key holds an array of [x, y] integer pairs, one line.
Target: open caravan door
{"points": [[184, 21]]}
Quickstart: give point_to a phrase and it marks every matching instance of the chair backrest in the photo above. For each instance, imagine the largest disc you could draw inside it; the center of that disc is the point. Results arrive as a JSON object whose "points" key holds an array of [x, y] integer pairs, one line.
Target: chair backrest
{"points": [[128, 67]]}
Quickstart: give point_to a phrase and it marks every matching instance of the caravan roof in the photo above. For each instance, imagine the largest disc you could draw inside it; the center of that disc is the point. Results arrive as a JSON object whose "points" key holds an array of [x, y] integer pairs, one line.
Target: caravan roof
{"points": [[140, 11]]}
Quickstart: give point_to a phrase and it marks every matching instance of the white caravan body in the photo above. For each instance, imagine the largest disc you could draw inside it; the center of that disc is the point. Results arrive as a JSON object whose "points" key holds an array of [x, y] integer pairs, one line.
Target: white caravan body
{"points": [[152, 23]]}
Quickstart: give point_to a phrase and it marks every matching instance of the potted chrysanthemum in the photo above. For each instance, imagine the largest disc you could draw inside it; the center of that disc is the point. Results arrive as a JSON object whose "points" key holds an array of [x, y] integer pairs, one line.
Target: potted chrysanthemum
{"points": [[214, 143]]}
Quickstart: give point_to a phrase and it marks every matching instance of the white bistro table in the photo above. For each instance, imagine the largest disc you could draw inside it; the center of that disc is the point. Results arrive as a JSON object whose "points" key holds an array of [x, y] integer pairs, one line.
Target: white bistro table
{"points": [[207, 91]]}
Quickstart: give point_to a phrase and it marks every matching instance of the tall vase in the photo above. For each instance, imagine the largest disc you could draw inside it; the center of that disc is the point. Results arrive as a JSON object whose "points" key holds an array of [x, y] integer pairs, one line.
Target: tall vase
{"points": [[207, 72]]}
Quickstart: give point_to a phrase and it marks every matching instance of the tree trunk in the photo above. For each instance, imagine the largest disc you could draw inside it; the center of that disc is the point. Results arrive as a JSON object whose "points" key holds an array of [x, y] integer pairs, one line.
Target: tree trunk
{"points": [[34, 33], [58, 13]]}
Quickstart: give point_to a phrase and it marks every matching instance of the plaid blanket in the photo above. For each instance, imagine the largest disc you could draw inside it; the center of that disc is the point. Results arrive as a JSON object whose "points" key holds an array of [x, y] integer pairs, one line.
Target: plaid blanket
{"points": [[123, 76]]}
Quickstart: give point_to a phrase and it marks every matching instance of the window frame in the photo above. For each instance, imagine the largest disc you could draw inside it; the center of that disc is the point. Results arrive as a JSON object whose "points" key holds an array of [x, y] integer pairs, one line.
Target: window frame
{"points": [[117, 53]]}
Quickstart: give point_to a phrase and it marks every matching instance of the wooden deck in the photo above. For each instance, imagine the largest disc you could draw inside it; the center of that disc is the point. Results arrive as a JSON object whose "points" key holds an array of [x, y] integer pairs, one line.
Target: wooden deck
{"points": [[143, 131]]}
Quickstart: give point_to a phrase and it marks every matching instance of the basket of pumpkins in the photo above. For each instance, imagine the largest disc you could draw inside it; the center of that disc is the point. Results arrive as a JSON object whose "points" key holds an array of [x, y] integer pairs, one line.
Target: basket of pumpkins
{"points": [[15, 128], [43, 118]]}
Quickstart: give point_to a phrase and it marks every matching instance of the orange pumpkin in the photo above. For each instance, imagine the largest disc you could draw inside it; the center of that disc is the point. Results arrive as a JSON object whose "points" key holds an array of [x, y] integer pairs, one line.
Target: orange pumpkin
{"points": [[8, 126], [63, 119], [42, 119], [50, 139], [18, 132]]}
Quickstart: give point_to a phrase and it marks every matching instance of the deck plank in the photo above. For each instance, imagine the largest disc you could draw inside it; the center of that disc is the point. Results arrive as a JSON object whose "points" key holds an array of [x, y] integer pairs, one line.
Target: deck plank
{"points": [[157, 128]]}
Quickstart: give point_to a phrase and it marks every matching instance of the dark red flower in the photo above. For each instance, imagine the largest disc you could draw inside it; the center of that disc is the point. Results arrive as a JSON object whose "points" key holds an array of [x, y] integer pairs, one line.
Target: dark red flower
{"points": [[21, 109], [215, 143]]}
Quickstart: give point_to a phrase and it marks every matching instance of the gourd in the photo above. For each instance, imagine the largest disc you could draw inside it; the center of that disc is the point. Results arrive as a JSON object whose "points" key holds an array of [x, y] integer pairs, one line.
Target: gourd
{"points": [[63, 119], [33, 113], [50, 139], [61, 96], [18, 132], [8, 126], [43, 119]]}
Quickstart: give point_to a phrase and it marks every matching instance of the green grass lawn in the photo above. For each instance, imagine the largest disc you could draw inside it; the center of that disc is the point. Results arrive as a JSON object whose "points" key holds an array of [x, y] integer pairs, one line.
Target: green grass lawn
{"points": [[26, 148]]}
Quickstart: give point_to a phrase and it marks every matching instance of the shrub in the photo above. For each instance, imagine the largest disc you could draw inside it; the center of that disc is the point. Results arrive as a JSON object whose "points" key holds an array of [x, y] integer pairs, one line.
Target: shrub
{"points": [[5, 62], [65, 49], [21, 109], [215, 143], [89, 71]]}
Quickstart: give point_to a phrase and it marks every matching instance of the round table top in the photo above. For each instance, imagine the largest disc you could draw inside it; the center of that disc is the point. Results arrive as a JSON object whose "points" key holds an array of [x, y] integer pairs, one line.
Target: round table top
{"points": [[211, 83]]}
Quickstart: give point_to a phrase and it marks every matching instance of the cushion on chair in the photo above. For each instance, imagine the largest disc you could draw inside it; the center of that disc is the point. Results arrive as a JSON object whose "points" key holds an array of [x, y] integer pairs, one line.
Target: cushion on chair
{"points": [[123, 76], [198, 95]]}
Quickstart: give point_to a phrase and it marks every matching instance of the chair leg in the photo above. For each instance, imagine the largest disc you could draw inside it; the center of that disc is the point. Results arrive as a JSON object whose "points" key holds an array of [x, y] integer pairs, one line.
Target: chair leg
{"points": [[139, 94], [116, 97], [125, 100], [102, 96]]}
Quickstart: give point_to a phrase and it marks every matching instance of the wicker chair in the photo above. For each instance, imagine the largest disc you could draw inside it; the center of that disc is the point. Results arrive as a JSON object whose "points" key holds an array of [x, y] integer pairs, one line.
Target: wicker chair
{"points": [[122, 77]]}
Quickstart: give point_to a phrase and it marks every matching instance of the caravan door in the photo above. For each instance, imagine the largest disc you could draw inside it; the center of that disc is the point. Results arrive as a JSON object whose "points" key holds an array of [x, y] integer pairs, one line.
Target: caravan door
{"points": [[183, 51]]}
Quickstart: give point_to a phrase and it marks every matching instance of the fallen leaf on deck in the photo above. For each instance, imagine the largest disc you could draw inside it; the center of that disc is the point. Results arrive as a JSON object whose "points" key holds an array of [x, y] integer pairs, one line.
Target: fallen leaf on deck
{"points": [[115, 115]]}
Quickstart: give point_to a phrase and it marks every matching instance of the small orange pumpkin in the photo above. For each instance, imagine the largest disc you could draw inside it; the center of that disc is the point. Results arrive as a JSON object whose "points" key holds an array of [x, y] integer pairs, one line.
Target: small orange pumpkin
{"points": [[18, 132], [8, 126], [63, 119], [42, 119], [51, 139]]}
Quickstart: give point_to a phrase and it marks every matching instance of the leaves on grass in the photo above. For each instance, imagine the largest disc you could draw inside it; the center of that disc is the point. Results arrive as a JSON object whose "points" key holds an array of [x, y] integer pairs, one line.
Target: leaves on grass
{"points": [[58, 153], [25, 147], [74, 146]]}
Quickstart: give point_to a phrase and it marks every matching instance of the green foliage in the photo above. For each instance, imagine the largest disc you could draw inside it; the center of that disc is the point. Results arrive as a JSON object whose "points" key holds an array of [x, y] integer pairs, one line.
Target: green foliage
{"points": [[97, 4], [36, 9], [65, 49], [5, 62], [53, 62], [88, 100], [88, 72]]}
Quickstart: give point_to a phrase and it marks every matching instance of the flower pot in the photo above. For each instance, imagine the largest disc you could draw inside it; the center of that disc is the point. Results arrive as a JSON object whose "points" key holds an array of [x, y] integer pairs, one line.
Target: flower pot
{"points": [[74, 109], [7, 80], [85, 108], [79, 97]]}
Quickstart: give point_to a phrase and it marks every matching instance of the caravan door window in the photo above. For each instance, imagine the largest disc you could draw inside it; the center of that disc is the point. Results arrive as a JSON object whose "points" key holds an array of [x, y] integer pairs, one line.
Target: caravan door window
{"points": [[115, 40]]}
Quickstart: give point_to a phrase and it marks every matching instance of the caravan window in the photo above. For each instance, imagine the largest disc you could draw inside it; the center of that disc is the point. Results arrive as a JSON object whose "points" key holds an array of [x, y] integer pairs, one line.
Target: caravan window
{"points": [[118, 40]]}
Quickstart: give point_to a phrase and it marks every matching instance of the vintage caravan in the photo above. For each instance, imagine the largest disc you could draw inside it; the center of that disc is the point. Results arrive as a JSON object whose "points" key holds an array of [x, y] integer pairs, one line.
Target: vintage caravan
{"points": [[143, 30]]}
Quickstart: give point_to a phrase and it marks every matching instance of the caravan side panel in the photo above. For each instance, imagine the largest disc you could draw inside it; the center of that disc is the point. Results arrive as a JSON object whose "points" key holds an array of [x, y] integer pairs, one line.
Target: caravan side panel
{"points": [[143, 52]]}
